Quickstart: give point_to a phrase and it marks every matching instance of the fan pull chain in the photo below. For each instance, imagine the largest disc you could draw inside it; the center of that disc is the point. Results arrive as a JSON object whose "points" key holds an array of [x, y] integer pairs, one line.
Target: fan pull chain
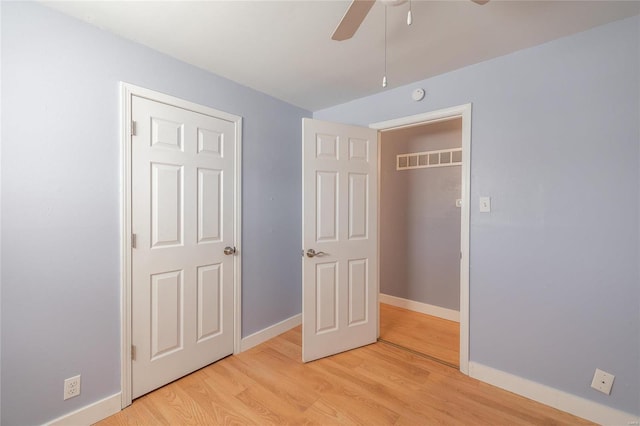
{"points": [[384, 77]]}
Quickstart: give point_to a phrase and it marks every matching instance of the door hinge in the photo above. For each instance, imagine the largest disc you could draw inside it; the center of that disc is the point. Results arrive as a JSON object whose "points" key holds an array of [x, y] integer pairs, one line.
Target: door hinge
{"points": [[133, 128], [133, 352], [133, 240]]}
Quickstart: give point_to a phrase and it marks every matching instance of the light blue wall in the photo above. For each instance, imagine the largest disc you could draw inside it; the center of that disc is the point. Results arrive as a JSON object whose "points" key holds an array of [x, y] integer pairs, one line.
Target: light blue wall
{"points": [[555, 283], [61, 203]]}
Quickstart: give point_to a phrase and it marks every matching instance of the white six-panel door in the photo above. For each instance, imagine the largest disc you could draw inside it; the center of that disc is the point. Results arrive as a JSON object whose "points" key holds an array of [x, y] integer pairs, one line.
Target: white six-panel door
{"points": [[339, 221], [183, 218]]}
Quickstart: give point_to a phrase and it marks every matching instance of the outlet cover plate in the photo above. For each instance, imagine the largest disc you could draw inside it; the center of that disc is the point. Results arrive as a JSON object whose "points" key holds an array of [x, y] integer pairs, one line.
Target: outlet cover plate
{"points": [[602, 381], [72, 387]]}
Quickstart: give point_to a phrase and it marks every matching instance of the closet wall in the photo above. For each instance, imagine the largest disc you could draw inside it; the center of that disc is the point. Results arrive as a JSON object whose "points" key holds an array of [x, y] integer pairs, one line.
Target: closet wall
{"points": [[419, 220]]}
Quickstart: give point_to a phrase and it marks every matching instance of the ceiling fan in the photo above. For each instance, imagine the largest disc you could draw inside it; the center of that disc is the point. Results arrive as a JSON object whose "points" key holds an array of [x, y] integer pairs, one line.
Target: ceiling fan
{"points": [[358, 10]]}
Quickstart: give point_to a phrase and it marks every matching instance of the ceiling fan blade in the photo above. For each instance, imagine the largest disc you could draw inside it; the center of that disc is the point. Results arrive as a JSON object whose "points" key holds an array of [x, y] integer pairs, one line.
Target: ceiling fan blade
{"points": [[480, 2], [352, 19]]}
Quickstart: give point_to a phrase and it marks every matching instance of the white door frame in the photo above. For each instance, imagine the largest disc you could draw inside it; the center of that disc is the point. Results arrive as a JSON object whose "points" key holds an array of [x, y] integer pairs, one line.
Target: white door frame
{"points": [[464, 112], [126, 92]]}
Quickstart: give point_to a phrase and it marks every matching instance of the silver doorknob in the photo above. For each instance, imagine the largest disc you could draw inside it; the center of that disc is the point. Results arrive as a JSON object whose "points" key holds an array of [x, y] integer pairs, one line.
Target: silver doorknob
{"points": [[229, 250], [313, 253]]}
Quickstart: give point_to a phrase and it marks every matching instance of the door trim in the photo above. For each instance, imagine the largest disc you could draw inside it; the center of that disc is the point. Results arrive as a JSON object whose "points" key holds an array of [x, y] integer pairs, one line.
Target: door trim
{"points": [[126, 92], [464, 112]]}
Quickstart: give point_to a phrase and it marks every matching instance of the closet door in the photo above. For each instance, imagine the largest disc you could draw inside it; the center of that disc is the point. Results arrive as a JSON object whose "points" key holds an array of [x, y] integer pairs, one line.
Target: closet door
{"points": [[183, 261]]}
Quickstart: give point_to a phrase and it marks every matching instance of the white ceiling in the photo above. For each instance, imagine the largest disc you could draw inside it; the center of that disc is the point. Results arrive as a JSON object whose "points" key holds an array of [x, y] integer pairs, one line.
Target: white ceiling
{"points": [[283, 48]]}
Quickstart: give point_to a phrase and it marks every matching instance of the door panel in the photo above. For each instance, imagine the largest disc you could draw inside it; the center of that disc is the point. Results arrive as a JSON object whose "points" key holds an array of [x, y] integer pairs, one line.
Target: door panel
{"points": [[209, 301], [358, 206], [326, 297], [327, 203], [358, 291], [183, 217], [339, 221], [166, 313], [166, 204], [209, 205]]}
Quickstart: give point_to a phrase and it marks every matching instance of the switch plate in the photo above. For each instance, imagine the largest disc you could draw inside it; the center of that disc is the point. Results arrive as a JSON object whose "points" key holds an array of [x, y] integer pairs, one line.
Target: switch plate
{"points": [[485, 204], [602, 381]]}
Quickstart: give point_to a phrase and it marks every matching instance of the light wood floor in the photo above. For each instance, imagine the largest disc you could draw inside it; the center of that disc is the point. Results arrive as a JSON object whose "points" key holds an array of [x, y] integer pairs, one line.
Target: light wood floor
{"points": [[378, 384], [432, 336]]}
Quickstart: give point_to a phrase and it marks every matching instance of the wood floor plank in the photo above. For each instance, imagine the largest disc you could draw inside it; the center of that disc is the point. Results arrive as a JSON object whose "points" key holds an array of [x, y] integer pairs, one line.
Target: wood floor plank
{"points": [[366, 400], [432, 336], [216, 398], [270, 371], [378, 384]]}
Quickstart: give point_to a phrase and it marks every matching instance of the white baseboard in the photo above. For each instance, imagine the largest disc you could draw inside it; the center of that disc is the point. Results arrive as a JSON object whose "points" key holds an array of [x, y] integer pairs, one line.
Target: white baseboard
{"points": [[270, 332], [552, 397], [424, 308], [90, 414]]}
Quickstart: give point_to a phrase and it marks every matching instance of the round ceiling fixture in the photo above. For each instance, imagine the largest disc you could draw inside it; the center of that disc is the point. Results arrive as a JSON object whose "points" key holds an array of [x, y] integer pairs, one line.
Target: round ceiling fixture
{"points": [[418, 94]]}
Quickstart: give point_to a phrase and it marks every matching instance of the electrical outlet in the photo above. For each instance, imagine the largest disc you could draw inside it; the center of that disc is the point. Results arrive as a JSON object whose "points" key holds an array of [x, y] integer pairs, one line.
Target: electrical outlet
{"points": [[72, 387], [602, 381]]}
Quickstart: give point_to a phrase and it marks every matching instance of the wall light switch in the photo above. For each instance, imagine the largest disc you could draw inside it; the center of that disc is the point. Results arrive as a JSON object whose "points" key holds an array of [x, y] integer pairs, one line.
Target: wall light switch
{"points": [[485, 204]]}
